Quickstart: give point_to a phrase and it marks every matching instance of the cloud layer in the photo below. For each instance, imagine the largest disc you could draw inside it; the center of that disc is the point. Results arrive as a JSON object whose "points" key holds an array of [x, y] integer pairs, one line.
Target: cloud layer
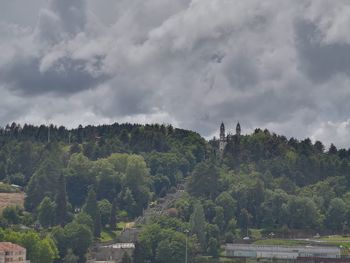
{"points": [[283, 65]]}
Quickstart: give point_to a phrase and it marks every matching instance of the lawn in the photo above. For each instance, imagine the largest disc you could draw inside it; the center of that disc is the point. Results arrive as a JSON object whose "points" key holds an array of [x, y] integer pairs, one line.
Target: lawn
{"points": [[337, 241], [107, 235]]}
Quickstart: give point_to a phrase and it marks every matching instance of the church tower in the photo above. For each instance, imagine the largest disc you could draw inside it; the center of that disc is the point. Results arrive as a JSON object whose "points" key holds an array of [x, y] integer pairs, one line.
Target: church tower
{"points": [[223, 140], [222, 131], [238, 130]]}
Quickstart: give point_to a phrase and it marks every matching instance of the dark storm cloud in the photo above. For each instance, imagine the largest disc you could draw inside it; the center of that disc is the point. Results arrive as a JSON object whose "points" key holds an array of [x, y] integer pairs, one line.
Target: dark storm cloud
{"points": [[283, 65], [320, 60], [51, 66], [64, 76]]}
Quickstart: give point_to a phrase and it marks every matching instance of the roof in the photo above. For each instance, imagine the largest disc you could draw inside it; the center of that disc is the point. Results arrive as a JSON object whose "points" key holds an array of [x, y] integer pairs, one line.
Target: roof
{"points": [[302, 249], [121, 245], [8, 246]]}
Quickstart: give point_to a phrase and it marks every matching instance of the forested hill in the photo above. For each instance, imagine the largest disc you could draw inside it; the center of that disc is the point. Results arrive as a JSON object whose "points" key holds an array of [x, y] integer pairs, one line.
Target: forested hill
{"points": [[101, 141], [92, 177]]}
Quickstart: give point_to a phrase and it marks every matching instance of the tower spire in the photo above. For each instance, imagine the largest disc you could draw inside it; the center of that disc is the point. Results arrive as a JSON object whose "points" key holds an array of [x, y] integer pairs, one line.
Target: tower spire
{"points": [[222, 131], [238, 129]]}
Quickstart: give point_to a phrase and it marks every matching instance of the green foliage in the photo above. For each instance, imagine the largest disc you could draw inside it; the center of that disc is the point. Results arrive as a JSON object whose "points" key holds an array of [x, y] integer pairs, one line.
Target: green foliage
{"points": [[204, 180], [213, 247], [113, 215], [105, 208], [336, 214], [197, 224], [70, 257], [12, 214], [61, 202], [6, 188], [79, 238], [46, 212], [163, 245], [92, 209], [38, 250], [44, 181]]}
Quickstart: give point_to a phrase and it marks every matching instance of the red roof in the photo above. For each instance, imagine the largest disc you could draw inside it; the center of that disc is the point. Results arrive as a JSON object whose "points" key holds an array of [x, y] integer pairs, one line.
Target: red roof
{"points": [[8, 246]]}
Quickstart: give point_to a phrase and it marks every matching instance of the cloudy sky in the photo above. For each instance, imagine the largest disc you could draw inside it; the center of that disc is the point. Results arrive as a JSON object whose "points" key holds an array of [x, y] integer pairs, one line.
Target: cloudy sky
{"points": [[277, 64]]}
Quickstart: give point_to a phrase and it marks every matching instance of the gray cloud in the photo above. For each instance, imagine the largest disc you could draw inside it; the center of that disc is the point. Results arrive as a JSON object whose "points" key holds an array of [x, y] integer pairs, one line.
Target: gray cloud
{"points": [[283, 65]]}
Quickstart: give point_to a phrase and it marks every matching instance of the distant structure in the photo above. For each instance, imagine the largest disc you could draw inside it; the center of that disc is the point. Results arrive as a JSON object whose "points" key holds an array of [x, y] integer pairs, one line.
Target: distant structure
{"points": [[10, 252], [290, 254], [224, 140], [112, 253]]}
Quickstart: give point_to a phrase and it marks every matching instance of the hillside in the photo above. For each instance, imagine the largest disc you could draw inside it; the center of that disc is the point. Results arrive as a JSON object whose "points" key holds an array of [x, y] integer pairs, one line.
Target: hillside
{"points": [[94, 177]]}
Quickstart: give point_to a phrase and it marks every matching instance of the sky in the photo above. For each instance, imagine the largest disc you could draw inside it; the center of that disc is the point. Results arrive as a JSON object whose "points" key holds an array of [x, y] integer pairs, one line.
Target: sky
{"points": [[277, 64]]}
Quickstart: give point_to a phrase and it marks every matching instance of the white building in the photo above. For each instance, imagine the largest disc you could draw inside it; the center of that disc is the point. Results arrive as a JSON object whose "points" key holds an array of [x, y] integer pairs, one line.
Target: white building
{"points": [[281, 252]]}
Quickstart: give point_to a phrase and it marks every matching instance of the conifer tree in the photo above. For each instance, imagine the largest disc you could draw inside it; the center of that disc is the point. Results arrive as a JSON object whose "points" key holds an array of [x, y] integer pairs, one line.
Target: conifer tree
{"points": [[197, 224], [91, 208], [46, 212], [113, 219], [61, 201]]}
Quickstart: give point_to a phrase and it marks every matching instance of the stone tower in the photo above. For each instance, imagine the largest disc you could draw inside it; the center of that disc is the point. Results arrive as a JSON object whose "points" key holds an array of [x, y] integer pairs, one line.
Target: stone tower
{"points": [[223, 140], [238, 130]]}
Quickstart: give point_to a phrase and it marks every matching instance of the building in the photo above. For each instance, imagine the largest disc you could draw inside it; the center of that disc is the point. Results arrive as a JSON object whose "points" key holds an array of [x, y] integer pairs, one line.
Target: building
{"points": [[224, 140], [10, 252], [113, 252], [282, 252]]}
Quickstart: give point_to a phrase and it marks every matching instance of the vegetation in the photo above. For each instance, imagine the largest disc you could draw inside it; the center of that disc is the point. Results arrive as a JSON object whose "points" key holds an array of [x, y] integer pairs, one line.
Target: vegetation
{"points": [[81, 184]]}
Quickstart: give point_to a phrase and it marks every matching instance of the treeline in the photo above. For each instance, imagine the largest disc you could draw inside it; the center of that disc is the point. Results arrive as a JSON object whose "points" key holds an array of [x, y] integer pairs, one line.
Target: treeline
{"points": [[80, 181], [263, 183], [267, 182]]}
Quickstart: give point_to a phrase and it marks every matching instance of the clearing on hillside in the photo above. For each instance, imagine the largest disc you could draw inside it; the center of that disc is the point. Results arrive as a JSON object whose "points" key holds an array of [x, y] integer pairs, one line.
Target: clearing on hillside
{"points": [[11, 199]]}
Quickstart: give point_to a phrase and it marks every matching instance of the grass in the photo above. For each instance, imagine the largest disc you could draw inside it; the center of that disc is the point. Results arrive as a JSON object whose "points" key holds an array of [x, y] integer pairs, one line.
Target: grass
{"points": [[255, 233], [107, 235], [337, 240]]}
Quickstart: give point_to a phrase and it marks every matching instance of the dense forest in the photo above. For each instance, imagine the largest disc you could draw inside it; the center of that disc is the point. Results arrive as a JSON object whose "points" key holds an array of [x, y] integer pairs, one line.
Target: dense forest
{"points": [[81, 181]]}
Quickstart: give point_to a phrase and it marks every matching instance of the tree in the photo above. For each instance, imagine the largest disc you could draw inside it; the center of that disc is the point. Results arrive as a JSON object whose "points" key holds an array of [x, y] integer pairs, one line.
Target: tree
{"points": [[47, 251], [244, 219], [126, 258], [60, 239], [204, 180], [46, 212], [79, 178], [213, 247], [113, 215], [137, 180], [70, 257], [105, 208], [61, 201], [172, 248], [229, 205], [128, 201], [79, 238], [44, 181], [197, 224], [92, 209], [12, 214], [219, 218], [303, 213], [336, 214], [84, 219]]}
